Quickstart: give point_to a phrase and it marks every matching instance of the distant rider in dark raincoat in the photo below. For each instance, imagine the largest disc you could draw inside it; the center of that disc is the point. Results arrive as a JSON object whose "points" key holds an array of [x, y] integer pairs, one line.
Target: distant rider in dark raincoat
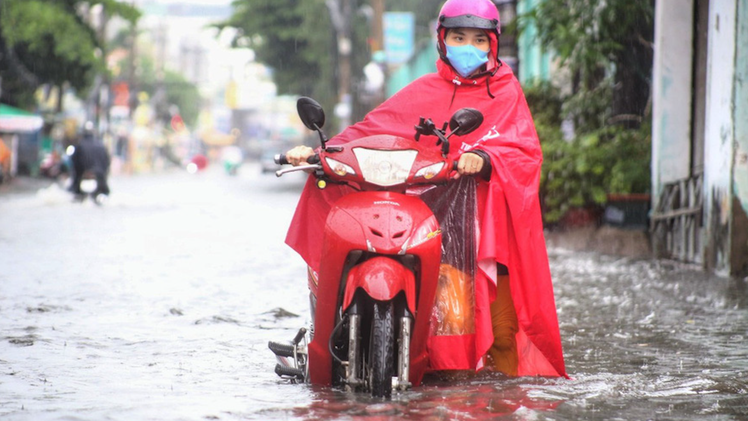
{"points": [[90, 156]]}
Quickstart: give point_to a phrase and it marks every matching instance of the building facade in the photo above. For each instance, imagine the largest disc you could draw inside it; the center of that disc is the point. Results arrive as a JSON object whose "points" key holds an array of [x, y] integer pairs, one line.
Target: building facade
{"points": [[700, 133]]}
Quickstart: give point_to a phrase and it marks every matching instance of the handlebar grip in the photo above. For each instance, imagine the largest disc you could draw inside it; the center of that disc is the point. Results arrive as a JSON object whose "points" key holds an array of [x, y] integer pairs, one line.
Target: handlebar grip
{"points": [[455, 164], [280, 159]]}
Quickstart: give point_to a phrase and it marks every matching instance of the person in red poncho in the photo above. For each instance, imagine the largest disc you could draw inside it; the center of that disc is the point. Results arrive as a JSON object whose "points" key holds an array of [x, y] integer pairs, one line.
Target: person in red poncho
{"points": [[515, 323]]}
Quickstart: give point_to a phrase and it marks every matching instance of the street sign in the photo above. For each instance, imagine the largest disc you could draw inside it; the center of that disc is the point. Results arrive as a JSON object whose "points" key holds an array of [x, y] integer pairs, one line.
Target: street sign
{"points": [[399, 36]]}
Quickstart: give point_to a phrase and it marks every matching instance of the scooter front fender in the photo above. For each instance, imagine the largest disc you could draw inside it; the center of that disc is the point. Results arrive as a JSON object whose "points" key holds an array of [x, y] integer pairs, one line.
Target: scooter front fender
{"points": [[382, 278]]}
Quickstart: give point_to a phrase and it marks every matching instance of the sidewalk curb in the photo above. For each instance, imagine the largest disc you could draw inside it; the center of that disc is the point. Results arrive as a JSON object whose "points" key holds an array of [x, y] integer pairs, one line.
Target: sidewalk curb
{"points": [[24, 185], [604, 239]]}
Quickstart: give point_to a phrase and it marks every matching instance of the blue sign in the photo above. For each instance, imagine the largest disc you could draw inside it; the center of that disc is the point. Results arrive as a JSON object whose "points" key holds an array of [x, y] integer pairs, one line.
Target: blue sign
{"points": [[399, 36]]}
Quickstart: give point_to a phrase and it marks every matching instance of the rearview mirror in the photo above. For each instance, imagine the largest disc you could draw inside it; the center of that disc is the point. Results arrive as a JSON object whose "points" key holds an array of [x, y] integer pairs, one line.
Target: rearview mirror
{"points": [[311, 113], [464, 121]]}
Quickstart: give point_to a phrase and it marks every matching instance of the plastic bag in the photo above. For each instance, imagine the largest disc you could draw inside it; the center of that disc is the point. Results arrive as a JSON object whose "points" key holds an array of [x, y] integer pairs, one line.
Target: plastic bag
{"points": [[454, 206]]}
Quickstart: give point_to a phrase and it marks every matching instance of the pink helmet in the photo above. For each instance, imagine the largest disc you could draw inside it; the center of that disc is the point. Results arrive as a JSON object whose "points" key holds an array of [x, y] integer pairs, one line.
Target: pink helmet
{"points": [[481, 14]]}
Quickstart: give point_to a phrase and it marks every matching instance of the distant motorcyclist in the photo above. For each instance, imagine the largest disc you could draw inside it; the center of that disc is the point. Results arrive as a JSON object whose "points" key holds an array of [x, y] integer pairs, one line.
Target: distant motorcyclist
{"points": [[90, 157]]}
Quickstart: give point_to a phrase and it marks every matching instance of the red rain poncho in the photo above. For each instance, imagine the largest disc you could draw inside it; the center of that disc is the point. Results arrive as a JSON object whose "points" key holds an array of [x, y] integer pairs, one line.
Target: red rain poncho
{"points": [[510, 224]]}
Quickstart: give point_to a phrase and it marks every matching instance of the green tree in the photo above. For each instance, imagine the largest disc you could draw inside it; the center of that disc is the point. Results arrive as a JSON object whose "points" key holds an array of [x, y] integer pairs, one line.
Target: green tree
{"points": [[142, 75], [607, 49], [297, 40], [607, 46], [49, 42], [183, 94]]}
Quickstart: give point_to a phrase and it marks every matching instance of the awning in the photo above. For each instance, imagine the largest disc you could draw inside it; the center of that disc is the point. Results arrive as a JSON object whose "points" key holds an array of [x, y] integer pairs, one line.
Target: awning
{"points": [[14, 120]]}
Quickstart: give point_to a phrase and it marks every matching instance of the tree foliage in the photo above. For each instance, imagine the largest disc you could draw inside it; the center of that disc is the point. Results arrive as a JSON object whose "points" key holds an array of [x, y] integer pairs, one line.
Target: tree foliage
{"points": [[49, 42], [580, 171], [141, 74], [607, 49], [184, 94], [298, 41], [602, 43]]}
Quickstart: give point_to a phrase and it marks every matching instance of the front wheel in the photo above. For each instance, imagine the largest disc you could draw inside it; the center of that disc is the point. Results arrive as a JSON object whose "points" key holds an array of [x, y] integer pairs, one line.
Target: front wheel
{"points": [[382, 349]]}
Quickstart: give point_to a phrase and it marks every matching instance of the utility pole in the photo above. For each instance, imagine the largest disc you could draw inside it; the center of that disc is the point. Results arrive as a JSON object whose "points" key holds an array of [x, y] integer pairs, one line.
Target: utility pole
{"points": [[340, 14], [105, 92], [377, 46], [160, 98], [377, 26], [95, 104], [132, 69]]}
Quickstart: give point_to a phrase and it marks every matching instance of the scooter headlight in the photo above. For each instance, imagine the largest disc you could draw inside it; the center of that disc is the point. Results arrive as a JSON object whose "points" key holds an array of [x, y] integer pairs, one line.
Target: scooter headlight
{"points": [[339, 168], [431, 171], [385, 168]]}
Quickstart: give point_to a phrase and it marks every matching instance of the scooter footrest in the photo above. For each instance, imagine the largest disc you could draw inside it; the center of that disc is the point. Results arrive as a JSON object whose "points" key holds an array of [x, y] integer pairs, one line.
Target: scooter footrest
{"points": [[285, 371], [281, 350]]}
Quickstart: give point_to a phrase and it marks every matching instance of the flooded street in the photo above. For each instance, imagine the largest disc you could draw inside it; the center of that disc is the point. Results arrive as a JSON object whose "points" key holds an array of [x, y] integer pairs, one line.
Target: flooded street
{"points": [[159, 306]]}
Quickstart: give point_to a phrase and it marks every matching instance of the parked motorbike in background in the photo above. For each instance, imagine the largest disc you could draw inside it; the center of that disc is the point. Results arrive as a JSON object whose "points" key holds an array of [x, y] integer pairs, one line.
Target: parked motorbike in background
{"points": [[52, 165], [374, 295]]}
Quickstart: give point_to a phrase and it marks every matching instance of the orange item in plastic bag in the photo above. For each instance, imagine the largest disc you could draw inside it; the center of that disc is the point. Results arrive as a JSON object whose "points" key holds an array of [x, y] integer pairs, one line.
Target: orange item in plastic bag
{"points": [[454, 306]]}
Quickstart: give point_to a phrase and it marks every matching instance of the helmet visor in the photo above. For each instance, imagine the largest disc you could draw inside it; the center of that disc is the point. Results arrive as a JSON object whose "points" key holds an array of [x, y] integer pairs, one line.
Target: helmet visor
{"points": [[468, 21]]}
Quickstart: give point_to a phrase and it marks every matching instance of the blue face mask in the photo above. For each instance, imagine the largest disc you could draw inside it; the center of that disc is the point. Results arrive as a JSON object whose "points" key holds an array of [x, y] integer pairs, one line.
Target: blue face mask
{"points": [[466, 59]]}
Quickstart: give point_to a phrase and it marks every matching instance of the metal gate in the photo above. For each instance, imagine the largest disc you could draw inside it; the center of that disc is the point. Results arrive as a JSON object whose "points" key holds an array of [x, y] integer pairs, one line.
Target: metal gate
{"points": [[676, 222]]}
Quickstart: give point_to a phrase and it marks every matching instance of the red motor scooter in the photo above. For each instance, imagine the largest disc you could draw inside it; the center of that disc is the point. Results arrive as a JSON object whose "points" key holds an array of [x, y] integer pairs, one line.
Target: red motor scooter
{"points": [[373, 296]]}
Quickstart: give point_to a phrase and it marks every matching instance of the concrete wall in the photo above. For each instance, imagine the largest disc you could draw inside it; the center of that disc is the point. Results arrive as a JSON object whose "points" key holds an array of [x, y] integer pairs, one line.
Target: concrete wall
{"points": [[672, 93], [739, 240], [720, 129]]}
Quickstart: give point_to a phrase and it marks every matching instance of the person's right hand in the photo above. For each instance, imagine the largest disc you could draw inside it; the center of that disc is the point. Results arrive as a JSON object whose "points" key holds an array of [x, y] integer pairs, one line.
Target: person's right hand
{"points": [[298, 155], [468, 164]]}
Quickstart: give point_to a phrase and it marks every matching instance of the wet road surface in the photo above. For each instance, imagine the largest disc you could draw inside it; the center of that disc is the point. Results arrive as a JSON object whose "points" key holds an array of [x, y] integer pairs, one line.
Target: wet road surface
{"points": [[159, 306]]}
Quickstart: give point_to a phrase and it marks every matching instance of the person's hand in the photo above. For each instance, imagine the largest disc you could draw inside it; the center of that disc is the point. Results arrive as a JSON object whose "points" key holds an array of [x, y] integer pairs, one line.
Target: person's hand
{"points": [[469, 164], [298, 155]]}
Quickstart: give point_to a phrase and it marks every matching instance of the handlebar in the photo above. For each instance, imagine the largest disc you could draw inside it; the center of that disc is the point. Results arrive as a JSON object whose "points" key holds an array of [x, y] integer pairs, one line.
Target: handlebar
{"points": [[280, 159], [313, 163]]}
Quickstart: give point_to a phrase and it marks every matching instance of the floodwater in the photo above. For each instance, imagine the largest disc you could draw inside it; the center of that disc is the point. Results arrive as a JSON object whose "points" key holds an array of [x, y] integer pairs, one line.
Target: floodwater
{"points": [[159, 306]]}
